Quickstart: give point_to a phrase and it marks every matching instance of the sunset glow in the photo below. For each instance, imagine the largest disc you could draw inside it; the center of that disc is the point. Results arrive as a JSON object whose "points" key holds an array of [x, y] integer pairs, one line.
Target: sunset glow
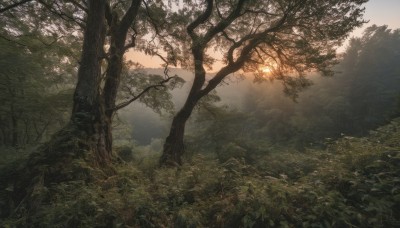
{"points": [[266, 70]]}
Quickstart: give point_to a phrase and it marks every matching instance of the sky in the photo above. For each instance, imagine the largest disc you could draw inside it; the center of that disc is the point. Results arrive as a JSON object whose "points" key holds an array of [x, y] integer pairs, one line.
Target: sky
{"points": [[379, 12]]}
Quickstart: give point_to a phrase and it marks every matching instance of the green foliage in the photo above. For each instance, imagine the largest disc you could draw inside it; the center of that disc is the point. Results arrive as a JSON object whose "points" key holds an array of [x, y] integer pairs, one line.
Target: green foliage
{"points": [[35, 91], [353, 183], [363, 94]]}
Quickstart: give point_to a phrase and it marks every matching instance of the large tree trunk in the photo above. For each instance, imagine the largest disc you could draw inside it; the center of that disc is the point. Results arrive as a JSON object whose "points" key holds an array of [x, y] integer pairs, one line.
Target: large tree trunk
{"points": [[82, 149], [88, 114]]}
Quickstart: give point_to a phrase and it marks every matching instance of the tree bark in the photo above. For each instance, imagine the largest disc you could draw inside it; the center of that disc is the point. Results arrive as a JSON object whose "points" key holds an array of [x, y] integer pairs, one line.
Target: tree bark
{"points": [[174, 147], [14, 124], [119, 30], [88, 114]]}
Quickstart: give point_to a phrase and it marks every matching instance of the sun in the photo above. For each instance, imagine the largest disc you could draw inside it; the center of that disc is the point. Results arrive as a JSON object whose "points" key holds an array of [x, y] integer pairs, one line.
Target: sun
{"points": [[266, 69]]}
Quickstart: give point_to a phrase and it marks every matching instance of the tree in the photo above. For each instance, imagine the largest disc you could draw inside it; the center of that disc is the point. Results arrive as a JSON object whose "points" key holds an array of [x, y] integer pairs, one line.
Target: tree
{"points": [[373, 87], [94, 105], [37, 77], [31, 107], [361, 97], [289, 37], [110, 28], [112, 25]]}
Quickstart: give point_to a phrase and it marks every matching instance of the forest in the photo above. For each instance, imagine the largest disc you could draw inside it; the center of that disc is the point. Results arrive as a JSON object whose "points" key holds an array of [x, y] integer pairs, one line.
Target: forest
{"points": [[253, 119]]}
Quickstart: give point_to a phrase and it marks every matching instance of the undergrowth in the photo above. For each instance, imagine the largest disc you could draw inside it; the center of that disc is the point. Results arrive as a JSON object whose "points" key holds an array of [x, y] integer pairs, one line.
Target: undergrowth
{"points": [[355, 182]]}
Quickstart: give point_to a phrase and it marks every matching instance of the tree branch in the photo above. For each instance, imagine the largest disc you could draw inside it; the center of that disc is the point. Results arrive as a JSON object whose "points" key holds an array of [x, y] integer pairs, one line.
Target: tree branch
{"points": [[134, 98], [253, 41], [14, 41], [129, 16], [80, 6], [152, 20], [62, 15], [14, 5], [108, 14], [223, 24], [200, 19]]}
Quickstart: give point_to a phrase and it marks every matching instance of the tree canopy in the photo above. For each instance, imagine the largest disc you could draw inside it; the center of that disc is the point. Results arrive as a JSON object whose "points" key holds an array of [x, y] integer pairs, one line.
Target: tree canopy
{"points": [[289, 37], [363, 95]]}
